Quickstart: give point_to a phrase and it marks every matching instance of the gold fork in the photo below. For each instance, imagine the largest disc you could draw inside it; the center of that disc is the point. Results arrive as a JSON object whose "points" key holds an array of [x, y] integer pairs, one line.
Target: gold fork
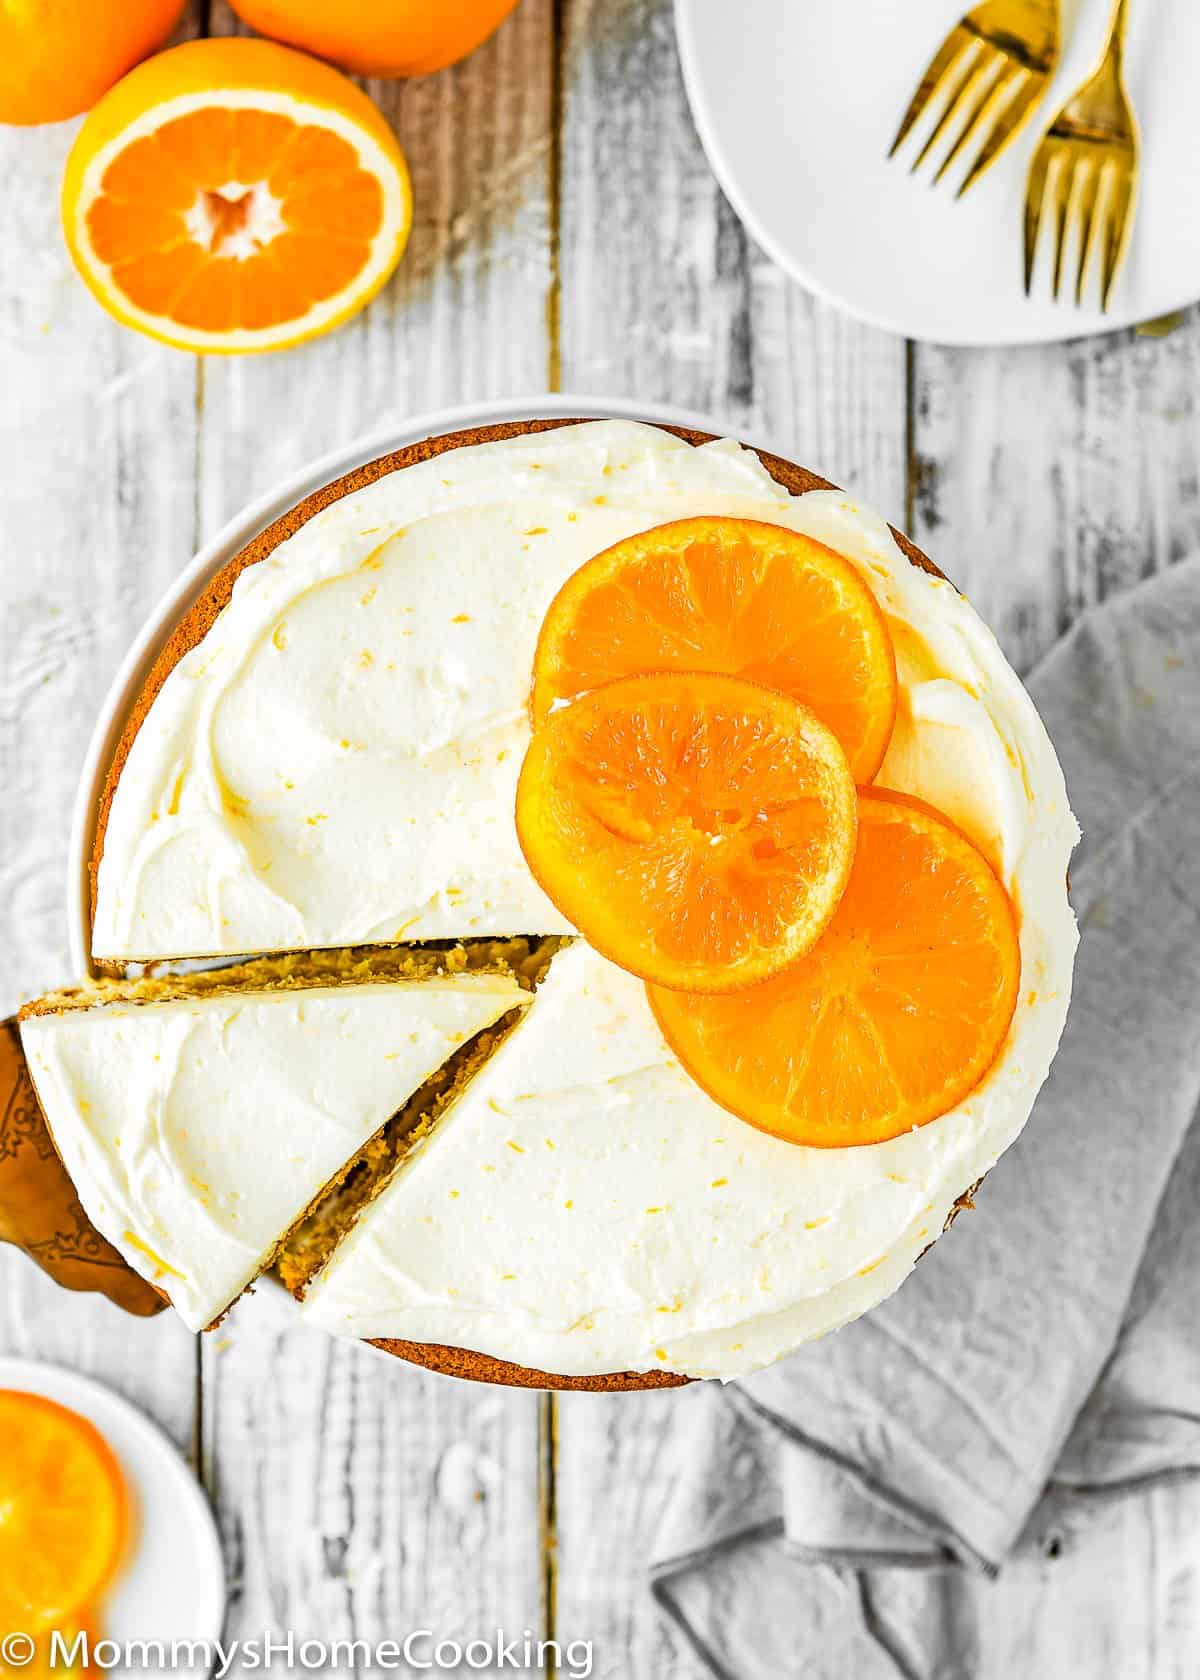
{"points": [[993, 67], [1092, 140]]}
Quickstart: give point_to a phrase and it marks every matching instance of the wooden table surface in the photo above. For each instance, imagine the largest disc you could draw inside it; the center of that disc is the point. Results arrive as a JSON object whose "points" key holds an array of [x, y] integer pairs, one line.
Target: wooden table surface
{"points": [[568, 235]]}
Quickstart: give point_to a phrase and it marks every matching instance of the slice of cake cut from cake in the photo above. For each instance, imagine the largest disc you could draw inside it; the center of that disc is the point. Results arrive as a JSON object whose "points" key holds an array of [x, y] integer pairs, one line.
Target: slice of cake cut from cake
{"points": [[583, 1207], [200, 1118]]}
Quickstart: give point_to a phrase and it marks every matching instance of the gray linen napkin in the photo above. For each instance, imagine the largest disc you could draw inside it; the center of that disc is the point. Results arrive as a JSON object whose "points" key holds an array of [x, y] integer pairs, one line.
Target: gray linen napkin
{"points": [[1054, 1334]]}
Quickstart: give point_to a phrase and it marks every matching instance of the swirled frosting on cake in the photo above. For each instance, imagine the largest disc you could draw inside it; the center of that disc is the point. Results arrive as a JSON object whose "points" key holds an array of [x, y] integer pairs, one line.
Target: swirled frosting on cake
{"points": [[336, 761]]}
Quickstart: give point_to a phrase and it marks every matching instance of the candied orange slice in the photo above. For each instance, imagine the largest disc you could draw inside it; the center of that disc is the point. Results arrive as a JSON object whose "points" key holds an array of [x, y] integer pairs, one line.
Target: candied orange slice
{"points": [[697, 829], [896, 1013], [62, 1513], [232, 195], [732, 595]]}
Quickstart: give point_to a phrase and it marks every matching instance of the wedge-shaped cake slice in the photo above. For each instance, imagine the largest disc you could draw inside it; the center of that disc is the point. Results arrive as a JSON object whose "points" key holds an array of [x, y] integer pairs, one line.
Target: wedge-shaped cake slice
{"points": [[200, 1119]]}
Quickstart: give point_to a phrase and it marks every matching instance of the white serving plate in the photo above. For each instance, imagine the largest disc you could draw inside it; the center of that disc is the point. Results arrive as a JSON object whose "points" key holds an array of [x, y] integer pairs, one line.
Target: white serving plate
{"points": [[797, 102]]}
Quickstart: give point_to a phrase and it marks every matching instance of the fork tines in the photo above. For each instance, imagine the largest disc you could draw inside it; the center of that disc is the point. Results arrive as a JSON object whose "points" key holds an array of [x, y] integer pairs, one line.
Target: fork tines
{"points": [[989, 91], [1083, 181]]}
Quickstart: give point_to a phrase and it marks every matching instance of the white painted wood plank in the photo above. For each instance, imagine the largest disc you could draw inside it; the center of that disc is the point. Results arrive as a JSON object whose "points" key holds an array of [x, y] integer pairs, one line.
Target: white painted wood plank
{"points": [[152, 1362], [464, 317], [1047, 478], [611, 1493], [360, 1497], [97, 443], [666, 297]]}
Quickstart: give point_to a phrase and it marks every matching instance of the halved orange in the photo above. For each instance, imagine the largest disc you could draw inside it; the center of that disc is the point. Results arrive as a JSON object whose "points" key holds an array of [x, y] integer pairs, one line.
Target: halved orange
{"points": [[697, 829], [234, 195], [738, 596], [62, 1513], [894, 1016]]}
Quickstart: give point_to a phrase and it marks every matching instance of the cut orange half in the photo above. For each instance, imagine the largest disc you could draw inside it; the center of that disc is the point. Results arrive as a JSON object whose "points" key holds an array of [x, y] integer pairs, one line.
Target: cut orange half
{"points": [[737, 596], [62, 1513], [233, 195], [697, 829], [896, 1014]]}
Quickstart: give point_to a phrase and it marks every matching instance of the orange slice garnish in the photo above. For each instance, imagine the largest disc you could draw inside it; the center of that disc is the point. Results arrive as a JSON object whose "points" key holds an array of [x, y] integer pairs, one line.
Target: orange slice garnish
{"points": [[233, 195], [892, 1019], [697, 829], [732, 595], [62, 1513]]}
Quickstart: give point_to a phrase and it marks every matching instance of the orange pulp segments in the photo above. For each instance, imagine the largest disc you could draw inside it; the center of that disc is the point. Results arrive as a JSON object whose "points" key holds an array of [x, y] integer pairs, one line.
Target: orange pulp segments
{"points": [[697, 829]]}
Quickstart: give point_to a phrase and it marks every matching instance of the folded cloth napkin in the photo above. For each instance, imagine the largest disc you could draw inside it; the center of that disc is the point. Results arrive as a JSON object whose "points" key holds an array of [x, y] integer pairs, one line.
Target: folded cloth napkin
{"points": [[1053, 1335], [39, 1210]]}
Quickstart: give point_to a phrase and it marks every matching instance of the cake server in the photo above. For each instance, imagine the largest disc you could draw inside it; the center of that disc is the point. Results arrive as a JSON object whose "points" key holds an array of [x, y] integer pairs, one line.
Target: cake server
{"points": [[39, 1210]]}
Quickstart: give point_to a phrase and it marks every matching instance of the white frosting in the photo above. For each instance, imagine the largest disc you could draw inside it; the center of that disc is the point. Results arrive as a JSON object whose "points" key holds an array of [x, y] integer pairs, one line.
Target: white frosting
{"points": [[285, 790], [198, 1131], [337, 760], [584, 1207]]}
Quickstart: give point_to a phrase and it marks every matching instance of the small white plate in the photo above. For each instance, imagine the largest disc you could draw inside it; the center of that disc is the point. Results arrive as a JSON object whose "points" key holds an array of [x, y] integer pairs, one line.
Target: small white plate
{"points": [[797, 102], [172, 1584]]}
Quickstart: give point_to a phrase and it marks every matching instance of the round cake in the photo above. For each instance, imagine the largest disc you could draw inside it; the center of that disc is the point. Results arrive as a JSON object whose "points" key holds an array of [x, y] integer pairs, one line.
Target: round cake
{"points": [[325, 754]]}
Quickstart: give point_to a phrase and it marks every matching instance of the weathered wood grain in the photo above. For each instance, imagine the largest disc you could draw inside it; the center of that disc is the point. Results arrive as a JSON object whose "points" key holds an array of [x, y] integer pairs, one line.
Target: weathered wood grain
{"points": [[361, 1498], [1044, 479], [463, 319], [97, 444], [666, 297], [97, 451]]}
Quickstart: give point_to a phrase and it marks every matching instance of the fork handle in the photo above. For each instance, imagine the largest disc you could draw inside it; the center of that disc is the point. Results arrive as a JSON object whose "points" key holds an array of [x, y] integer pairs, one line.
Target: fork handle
{"points": [[1117, 28]]}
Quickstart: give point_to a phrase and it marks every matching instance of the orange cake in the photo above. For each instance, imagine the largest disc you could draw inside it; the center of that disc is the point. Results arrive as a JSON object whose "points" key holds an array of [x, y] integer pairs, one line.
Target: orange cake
{"points": [[613, 684]]}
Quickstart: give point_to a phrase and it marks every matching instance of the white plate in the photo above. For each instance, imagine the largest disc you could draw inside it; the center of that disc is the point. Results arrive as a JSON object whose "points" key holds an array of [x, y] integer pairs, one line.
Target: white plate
{"points": [[797, 102], [172, 1585]]}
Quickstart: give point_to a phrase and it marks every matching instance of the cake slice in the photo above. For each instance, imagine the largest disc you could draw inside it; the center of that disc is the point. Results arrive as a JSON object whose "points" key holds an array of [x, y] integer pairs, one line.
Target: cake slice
{"points": [[201, 1117]]}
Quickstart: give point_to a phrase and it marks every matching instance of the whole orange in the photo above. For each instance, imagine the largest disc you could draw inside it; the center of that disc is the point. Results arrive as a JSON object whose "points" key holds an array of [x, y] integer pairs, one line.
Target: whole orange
{"points": [[379, 37], [58, 56]]}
